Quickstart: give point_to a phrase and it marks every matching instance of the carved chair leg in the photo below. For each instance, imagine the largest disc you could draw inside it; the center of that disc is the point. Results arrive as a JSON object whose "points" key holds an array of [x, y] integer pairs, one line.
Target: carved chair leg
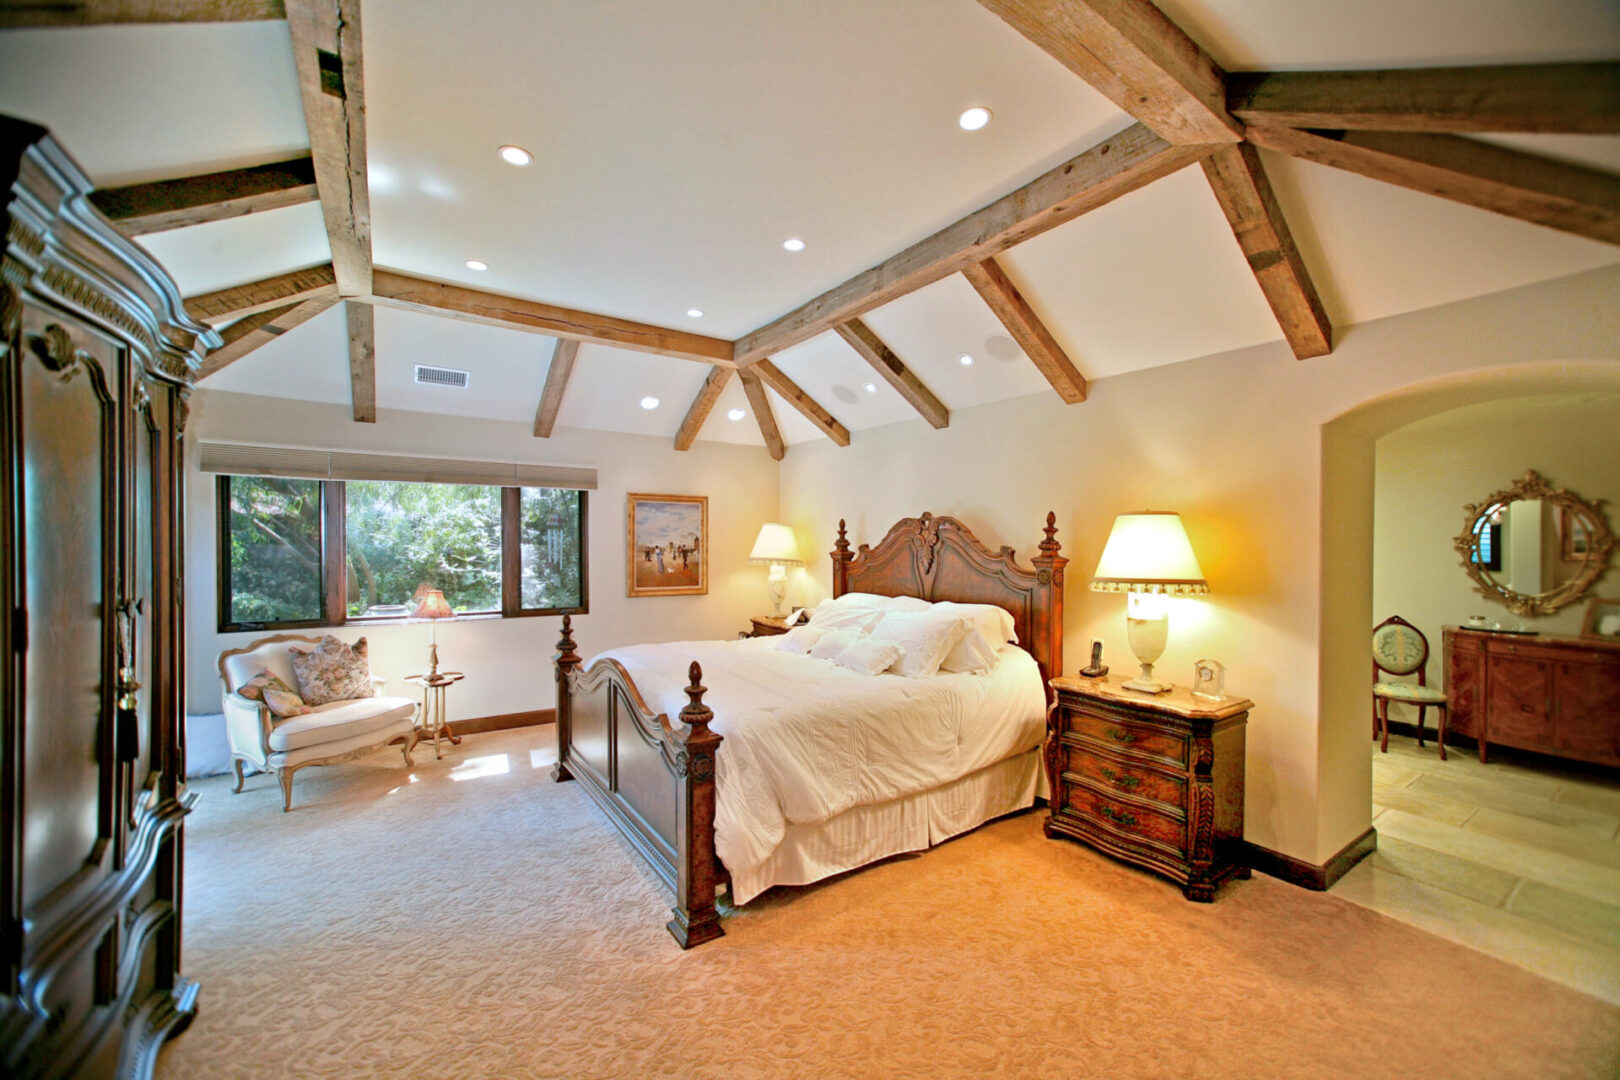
{"points": [[1440, 738], [236, 763], [1383, 719], [285, 776], [1421, 710], [407, 746]]}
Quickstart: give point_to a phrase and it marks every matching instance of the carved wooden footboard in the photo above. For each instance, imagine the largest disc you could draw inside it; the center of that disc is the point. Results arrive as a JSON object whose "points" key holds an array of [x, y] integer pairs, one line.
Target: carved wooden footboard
{"points": [[654, 779]]}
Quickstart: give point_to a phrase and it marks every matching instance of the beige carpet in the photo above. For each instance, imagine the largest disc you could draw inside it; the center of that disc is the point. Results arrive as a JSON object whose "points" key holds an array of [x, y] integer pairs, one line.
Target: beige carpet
{"points": [[474, 919]]}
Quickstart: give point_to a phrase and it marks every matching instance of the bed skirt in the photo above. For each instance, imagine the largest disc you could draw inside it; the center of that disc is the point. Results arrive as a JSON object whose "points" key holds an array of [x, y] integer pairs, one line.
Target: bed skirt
{"points": [[865, 834]]}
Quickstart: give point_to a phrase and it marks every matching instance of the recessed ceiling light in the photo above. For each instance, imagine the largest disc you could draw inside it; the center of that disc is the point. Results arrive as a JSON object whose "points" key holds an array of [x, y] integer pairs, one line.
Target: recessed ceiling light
{"points": [[477, 264], [736, 414], [515, 155], [649, 402], [695, 313], [965, 360], [793, 243], [871, 388], [973, 119]]}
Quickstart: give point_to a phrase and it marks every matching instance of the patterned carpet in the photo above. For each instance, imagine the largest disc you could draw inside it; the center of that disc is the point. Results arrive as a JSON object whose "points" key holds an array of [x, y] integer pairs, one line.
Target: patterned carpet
{"points": [[474, 919]]}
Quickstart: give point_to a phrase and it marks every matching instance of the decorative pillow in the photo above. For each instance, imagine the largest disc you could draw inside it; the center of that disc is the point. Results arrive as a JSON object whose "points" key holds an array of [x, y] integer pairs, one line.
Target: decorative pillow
{"points": [[333, 671], [285, 702], [868, 657], [253, 690], [798, 640], [834, 643], [926, 636], [990, 627], [859, 599]]}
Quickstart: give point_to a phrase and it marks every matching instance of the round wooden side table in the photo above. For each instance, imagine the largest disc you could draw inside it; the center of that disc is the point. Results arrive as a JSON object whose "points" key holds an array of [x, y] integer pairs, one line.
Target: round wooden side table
{"points": [[433, 714]]}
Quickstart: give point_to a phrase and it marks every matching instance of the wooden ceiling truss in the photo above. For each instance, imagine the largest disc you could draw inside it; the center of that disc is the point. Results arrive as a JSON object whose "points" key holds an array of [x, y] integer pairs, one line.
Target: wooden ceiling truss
{"points": [[1403, 127]]}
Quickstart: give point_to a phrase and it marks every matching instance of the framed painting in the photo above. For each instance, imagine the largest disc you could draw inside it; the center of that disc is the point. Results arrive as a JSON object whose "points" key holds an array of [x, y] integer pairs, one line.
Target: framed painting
{"points": [[666, 545], [1602, 620]]}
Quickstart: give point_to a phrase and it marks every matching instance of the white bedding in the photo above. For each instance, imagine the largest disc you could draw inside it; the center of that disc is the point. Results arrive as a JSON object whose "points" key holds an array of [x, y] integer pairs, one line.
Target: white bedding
{"points": [[806, 740]]}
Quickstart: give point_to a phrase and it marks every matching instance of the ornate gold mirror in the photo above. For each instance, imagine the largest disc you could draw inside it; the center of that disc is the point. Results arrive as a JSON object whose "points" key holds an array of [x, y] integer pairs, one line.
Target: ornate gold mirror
{"points": [[1534, 548]]}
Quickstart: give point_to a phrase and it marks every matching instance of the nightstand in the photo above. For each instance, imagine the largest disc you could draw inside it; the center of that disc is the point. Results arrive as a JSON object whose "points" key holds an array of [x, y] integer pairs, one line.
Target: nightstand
{"points": [[1152, 779], [767, 625]]}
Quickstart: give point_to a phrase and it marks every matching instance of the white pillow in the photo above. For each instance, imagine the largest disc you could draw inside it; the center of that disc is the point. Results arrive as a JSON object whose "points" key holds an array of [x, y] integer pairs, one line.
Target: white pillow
{"points": [[830, 615], [798, 640], [926, 636], [860, 599], [834, 643], [990, 628], [868, 657], [906, 604]]}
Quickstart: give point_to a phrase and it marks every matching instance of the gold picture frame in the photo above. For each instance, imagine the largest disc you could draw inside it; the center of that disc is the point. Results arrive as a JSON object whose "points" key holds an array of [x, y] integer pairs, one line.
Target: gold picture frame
{"points": [[666, 545]]}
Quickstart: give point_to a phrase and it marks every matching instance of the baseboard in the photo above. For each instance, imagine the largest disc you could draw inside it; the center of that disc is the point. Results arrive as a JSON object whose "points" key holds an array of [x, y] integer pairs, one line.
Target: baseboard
{"points": [[478, 725], [1309, 875]]}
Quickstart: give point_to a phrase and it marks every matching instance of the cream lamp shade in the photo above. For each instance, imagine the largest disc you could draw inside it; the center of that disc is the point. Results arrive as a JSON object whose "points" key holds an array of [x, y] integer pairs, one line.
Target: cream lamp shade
{"points": [[778, 548], [1148, 557]]}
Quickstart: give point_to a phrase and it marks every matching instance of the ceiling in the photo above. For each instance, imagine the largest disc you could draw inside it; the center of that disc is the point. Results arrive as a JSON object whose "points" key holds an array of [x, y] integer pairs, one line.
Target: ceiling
{"points": [[678, 144]]}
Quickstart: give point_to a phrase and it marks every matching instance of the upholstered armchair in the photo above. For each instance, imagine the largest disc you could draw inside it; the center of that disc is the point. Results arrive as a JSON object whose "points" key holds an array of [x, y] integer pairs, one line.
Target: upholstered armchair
{"points": [[325, 735]]}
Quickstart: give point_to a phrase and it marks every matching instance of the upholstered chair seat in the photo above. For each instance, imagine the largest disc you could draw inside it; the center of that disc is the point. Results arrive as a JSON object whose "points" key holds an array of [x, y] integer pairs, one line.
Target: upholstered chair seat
{"points": [[1399, 691], [326, 734]]}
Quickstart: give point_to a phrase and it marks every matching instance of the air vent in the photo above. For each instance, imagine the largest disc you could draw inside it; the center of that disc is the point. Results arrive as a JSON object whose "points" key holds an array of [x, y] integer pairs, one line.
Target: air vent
{"points": [[440, 376]]}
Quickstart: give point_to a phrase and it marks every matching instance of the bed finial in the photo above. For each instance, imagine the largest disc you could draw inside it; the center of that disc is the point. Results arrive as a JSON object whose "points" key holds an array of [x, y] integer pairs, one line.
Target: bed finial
{"points": [[1050, 546], [566, 653], [841, 559], [696, 713]]}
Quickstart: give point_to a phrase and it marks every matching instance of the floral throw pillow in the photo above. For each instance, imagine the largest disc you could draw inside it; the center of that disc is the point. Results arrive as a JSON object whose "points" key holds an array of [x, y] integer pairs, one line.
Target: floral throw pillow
{"points": [[266, 679], [285, 703], [333, 671]]}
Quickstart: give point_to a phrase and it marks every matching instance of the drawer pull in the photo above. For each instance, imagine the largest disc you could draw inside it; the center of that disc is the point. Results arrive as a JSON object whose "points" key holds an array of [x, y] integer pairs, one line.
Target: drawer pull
{"points": [[1118, 817], [1121, 736], [1126, 782]]}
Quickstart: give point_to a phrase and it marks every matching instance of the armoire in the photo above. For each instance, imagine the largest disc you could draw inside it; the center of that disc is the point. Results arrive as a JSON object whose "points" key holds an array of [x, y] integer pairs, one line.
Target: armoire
{"points": [[98, 357]]}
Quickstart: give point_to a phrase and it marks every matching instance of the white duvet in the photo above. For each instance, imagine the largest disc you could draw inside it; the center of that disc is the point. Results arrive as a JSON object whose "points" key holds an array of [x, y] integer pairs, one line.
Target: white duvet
{"points": [[806, 739]]}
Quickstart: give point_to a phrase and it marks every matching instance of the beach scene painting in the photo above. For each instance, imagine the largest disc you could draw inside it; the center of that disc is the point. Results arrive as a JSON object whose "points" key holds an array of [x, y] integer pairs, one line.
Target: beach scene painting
{"points": [[667, 537]]}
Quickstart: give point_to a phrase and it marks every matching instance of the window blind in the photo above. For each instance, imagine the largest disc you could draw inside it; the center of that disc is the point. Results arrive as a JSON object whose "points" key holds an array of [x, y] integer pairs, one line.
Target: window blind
{"points": [[234, 459]]}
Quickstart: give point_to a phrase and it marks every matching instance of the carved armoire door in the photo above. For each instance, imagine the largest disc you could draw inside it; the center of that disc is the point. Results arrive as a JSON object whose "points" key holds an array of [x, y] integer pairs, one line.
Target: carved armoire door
{"points": [[95, 355]]}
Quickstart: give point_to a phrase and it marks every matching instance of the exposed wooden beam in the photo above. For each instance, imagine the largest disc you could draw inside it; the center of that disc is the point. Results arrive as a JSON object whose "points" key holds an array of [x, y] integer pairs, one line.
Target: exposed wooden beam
{"points": [[773, 377], [15, 14], [140, 209], [874, 351], [1535, 189], [363, 360], [562, 367], [992, 283], [260, 328], [702, 405], [1114, 167], [1580, 98], [761, 404], [243, 300], [402, 290], [1244, 192], [1131, 53], [326, 48]]}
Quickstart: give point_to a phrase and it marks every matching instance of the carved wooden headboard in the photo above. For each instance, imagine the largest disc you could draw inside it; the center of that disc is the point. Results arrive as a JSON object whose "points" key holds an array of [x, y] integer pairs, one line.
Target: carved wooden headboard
{"points": [[939, 558]]}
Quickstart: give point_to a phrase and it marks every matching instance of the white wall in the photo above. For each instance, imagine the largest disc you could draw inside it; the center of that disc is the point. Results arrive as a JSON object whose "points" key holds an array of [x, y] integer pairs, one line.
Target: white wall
{"points": [[507, 661], [1235, 442]]}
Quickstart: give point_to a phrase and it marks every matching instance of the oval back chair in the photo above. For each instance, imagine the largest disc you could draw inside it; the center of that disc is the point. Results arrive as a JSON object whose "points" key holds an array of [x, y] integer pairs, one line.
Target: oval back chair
{"points": [[1400, 649]]}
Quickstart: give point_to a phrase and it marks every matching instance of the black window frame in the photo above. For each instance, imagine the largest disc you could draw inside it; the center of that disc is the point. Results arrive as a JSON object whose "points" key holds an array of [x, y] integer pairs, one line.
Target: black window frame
{"points": [[334, 563]]}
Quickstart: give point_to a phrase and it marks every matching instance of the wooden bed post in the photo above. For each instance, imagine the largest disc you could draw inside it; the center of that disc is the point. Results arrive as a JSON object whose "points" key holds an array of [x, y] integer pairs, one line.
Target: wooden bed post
{"points": [[841, 558], [567, 660], [695, 918], [1049, 601]]}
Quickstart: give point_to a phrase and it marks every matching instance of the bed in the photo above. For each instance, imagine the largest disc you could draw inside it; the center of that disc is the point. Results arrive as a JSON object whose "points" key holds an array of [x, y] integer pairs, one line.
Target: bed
{"points": [[969, 750]]}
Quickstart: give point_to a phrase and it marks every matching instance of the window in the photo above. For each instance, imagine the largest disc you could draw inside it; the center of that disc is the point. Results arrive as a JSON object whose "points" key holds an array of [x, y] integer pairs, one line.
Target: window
{"points": [[301, 553]]}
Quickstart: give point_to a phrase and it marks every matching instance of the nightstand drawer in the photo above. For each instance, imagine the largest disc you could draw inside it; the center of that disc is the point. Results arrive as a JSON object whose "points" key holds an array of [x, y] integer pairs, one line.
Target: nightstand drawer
{"points": [[1127, 737], [1132, 821], [1117, 774]]}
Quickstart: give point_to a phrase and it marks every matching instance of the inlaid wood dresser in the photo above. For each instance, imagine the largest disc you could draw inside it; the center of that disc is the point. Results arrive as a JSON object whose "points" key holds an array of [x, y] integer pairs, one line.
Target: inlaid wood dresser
{"points": [[98, 356], [1155, 780], [1552, 695]]}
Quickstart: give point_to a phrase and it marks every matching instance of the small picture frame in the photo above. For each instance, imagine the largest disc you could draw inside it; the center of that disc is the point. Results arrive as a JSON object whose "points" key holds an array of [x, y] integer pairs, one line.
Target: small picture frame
{"points": [[666, 545], [1575, 536], [1602, 619], [1209, 680]]}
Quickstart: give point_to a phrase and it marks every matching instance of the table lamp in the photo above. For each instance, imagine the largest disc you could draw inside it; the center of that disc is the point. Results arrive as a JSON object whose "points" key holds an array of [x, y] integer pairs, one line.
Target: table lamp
{"points": [[776, 547], [432, 605], [1149, 558]]}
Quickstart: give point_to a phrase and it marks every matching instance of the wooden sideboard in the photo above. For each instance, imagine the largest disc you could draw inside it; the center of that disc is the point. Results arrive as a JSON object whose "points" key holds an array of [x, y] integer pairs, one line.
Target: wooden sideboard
{"points": [[1552, 695]]}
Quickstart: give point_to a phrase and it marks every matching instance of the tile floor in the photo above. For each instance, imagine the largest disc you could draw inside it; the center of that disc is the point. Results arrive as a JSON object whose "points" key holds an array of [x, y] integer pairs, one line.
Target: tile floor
{"points": [[1519, 859]]}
